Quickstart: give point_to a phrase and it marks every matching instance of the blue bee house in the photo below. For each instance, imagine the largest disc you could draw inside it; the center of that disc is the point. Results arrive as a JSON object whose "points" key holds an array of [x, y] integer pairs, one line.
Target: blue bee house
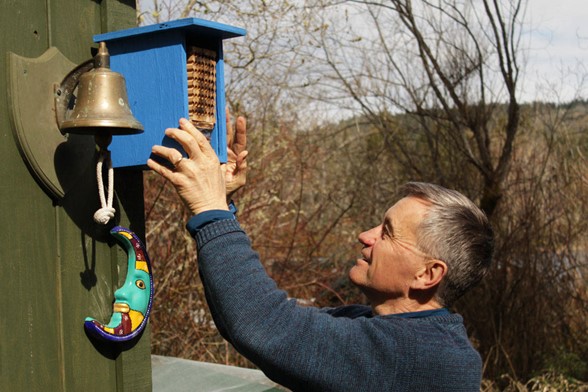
{"points": [[172, 70]]}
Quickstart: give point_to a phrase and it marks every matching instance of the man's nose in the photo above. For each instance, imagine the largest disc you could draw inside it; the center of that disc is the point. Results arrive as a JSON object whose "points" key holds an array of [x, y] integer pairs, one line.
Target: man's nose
{"points": [[369, 237]]}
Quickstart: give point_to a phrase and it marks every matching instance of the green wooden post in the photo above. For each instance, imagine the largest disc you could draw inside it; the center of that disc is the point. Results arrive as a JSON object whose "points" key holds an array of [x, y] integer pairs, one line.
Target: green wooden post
{"points": [[56, 265]]}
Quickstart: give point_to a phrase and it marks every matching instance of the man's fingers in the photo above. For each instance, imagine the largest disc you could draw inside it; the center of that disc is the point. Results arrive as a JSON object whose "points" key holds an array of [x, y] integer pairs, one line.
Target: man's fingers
{"points": [[231, 156], [171, 154], [202, 142], [194, 143], [237, 138], [159, 168], [229, 125], [187, 126], [241, 159], [240, 135]]}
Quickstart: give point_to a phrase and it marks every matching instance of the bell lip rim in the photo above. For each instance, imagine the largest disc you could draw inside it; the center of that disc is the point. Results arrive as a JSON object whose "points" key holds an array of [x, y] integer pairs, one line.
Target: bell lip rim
{"points": [[91, 126]]}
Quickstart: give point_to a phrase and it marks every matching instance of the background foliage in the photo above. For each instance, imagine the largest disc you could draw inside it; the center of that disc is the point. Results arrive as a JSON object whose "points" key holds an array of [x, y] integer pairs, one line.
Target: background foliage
{"points": [[341, 113]]}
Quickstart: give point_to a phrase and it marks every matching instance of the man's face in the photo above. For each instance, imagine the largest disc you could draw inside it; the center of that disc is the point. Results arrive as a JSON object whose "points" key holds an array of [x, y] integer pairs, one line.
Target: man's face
{"points": [[390, 259]]}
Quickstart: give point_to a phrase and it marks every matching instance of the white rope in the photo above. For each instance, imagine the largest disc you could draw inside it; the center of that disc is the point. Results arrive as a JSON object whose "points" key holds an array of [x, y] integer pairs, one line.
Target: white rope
{"points": [[106, 213]]}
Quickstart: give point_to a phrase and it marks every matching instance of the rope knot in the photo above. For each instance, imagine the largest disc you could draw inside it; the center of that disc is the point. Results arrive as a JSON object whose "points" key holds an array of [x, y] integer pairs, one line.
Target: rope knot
{"points": [[104, 215]]}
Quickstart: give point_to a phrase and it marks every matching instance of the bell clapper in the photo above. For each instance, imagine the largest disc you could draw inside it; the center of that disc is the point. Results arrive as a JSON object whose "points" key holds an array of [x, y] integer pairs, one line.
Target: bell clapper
{"points": [[103, 139]]}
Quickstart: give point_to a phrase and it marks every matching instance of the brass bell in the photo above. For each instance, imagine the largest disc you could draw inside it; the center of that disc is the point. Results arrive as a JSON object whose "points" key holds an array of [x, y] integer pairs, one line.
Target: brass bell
{"points": [[102, 105]]}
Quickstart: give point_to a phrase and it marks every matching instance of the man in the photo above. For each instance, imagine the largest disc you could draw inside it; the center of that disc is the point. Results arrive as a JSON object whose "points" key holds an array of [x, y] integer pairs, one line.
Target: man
{"points": [[432, 246]]}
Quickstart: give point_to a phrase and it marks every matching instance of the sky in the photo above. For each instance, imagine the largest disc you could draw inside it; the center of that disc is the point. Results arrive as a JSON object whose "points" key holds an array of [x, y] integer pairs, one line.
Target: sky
{"points": [[558, 42], [557, 38]]}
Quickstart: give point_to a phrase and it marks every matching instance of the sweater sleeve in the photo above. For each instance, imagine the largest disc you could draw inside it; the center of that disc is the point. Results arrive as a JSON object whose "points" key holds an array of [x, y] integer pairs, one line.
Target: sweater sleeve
{"points": [[301, 348], [306, 349]]}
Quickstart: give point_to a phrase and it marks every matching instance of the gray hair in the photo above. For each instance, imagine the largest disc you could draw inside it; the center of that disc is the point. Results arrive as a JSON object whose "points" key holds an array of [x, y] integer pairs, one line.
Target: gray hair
{"points": [[455, 231]]}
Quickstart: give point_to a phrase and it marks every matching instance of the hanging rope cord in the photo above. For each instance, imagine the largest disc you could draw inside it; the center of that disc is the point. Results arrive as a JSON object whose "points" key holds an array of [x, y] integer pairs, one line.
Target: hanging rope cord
{"points": [[106, 213]]}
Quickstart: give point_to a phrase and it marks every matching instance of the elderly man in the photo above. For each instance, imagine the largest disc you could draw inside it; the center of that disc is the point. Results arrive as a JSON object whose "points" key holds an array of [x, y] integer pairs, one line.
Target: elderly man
{"points": [[432, 246]]}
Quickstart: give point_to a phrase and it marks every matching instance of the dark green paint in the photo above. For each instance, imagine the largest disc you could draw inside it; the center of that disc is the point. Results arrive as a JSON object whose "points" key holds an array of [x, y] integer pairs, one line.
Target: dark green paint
{"points": [[56, 265]]}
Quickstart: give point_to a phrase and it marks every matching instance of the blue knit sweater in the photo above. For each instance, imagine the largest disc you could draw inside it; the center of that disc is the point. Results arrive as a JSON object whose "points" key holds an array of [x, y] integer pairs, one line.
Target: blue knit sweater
{"points": [[340, 349]]}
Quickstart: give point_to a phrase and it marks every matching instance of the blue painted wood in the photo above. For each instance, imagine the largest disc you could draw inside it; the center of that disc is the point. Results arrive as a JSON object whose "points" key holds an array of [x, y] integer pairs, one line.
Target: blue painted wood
{"points": [[157, 95], [153, 61], [213, 30]]}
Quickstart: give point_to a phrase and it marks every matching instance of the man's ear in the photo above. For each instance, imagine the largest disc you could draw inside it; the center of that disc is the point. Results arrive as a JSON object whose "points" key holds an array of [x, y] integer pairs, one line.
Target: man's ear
{"points": [[429, 275]]}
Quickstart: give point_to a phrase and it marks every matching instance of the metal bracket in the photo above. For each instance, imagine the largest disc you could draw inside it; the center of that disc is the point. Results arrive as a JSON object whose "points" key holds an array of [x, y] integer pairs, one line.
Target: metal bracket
{"points": [[64, 92], [56, 161]]}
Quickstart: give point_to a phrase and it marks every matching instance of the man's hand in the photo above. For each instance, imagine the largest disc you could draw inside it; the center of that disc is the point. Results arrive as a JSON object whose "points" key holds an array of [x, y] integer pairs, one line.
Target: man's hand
{"points": [[199, 178], [236, 166]]}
